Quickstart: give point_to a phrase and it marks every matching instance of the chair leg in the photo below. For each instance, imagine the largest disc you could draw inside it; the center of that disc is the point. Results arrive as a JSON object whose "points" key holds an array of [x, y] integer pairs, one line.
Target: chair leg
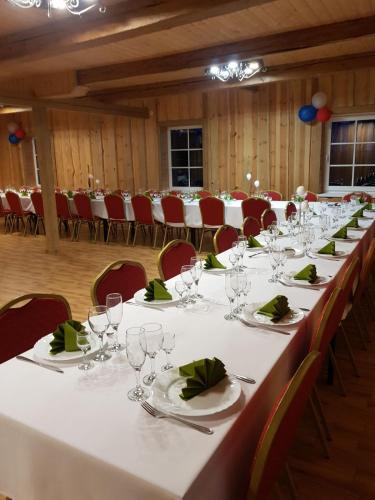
{"points": [[319, 408], [201, 242], [319, 428], [135, 233], [364, 323], [130, 225], [165, 235], [96, 227], [108, 232], [123, 231], [156, 229], [337, 370], [187, 232], [349, 349], [24, 225], [78, 229], [292, 484], [359, 329]]}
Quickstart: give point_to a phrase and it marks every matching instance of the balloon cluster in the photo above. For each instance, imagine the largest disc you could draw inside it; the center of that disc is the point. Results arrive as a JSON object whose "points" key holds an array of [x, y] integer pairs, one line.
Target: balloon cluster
{"points": [[16, 133], [317, 110]]}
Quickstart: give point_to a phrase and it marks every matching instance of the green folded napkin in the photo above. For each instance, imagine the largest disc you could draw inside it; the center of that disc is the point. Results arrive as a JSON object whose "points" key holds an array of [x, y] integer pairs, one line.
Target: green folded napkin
{"points": [[329, 249], [156, 290], [211, 262], [65, 337], [353, 223], [358, 213], [253, 242], [69, 194], [200, 376], [368, 206], [308, 273], [276, 308], [341, 233]]}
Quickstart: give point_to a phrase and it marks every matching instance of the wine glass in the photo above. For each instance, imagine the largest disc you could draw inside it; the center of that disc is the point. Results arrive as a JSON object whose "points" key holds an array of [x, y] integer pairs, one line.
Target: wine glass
{"points": [[283, 259], [136, 354], [98, 321], [153, 340], [230, 294], [242, 244], [233, 260], [196, 272], [187, 278], [246, 287], [237, 252], [180, 288], [114, 313], [237, 280], [169, 343], [84, 343], [274, 257]]}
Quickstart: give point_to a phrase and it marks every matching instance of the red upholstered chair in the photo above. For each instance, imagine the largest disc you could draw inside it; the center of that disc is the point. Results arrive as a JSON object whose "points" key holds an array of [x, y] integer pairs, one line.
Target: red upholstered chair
{"points": [[310, 196], [361, 194], [18, 213], [63, 211], [204, 194], [224, 237], [274, 195], [254, 207], [26, 319], [85, 216], [290, 209], [37, 200], [5, 213], [250, 227], [144, 218], [123, 276], [116, 216], [239, 195], [212, 214], [174, 215], [279, 431], [173, 256], [268, 217]]}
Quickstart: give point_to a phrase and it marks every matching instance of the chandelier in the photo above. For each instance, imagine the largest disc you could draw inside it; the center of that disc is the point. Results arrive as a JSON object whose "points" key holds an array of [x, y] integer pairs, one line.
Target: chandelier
{"points": [[235, 70], [76, 7]]}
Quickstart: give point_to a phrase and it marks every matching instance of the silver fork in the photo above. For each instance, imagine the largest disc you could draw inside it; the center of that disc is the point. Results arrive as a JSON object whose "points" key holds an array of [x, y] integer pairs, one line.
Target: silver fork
{"points": [[161, 414], [299, 286]]}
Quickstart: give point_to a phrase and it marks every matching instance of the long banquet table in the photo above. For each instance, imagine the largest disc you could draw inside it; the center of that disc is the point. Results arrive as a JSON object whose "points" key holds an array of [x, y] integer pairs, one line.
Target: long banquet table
{"points": [[77, 435]]}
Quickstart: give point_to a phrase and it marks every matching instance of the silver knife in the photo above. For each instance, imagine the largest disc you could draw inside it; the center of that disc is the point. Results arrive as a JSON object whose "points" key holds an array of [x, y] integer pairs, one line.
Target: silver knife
{"points": [[271, 328], [144, 305], [42, 365]]}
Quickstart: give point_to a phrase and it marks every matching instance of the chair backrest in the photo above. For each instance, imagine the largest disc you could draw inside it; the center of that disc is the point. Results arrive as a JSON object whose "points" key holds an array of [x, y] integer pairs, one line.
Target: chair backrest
{"points": [[37, 200], [142, 208], [268, 217], [83, 206], [3, 211], [123, 276], [368, 267], [115, 207], [204, 193], [254, 207], [290, 209], [21, 325], [239, 195], [250, 227], [350, 280], [62, 206], [173, 210], [224, 237], [14, 203], [212, 211], [361, 194], [310, 196], [278, 433], [173, 256], [274, 195]]}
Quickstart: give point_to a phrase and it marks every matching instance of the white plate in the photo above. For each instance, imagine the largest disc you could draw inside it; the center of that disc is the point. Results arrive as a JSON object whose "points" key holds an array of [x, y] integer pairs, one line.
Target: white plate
{"points": [[140, 298], [216, 270], [349, 239], [168, 385], [42, 350], [339, 254], [250, 313], [257, 249], [293, 252], [356, 228], [320, 280], [284, 235]]}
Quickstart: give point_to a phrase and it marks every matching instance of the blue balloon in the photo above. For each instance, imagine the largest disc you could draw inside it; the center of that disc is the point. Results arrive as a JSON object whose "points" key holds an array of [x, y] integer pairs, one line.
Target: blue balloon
{"points": [[13, 139], [307, 113]]}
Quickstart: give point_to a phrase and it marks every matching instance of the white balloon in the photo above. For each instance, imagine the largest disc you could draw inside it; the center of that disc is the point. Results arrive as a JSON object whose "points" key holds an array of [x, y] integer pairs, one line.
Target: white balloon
{"points": [[319, 100], [12, 127]]}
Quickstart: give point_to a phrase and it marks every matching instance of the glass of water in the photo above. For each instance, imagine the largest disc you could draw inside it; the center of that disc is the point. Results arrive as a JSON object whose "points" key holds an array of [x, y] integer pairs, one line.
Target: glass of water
{"points": [[136, 356], [84, 343]]}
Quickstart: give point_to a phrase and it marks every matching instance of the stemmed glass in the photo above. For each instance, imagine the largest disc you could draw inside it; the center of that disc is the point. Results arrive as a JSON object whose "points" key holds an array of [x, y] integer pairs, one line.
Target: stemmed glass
{"points": [[233, 260], [169, 343], [283, 258], [136, 356], [237, 252], [153, 340], [230, 294], [180, 288], [246, 287], [84, 343], [187, 278], [98, 321], [237, 280], [274, 257], [196, 272], [242, 243], [114, 313]]}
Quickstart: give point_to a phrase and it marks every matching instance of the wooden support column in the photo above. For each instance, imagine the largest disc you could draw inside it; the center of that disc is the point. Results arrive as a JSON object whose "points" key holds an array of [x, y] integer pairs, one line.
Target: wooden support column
{"points": [[47, 177]]}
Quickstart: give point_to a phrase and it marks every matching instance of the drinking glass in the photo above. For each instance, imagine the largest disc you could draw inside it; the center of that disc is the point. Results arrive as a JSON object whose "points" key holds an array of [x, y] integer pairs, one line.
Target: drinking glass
{"points": [[230, 294], [233, 260], [98, 321], [283, 259], [196, 272], [187, 278], [237, 252], [242, 244], [169, 343], [114, 312], [274, 257], [180, 288], [153, 340], [237, 284], [246, 287], [84, 343], [136, 354]]}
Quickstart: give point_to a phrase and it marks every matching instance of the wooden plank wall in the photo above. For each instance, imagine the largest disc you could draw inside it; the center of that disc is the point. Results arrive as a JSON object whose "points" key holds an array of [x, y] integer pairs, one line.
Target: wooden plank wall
{"points": [[254, 130]]}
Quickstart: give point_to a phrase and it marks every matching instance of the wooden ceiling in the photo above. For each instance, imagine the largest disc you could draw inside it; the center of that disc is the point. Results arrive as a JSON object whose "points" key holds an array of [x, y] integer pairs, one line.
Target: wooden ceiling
{"points": [[140, 48]]}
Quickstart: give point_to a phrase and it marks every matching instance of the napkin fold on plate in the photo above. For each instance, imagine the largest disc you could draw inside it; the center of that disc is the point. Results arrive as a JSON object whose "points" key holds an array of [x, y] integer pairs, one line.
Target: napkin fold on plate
{"points": [[253, 242], [329, 249], [211, 262], [308, 273], [157, 290], [65, 337], [200, 376], [352, 223], [276, 308], [341, 234], [368, 206], [358, 213]]}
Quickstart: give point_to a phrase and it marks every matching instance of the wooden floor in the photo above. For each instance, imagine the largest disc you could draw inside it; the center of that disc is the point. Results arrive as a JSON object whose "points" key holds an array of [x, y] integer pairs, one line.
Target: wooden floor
{"points": [[348, 475]]}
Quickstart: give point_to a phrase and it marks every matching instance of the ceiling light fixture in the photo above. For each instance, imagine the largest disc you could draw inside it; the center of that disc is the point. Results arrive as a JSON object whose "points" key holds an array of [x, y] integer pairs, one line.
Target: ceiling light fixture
{"points": [[235, 70], [76, 7]]}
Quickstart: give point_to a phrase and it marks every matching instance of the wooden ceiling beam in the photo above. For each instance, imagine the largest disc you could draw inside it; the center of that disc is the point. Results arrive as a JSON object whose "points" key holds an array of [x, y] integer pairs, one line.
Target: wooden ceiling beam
{"points": [[245, 49]]}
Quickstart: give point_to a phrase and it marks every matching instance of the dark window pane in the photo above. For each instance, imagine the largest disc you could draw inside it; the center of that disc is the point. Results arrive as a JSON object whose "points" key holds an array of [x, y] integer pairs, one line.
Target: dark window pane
{"points": [[340, 176], [342, 154], [364, 176], [365, 153], [179, 139], [196, 177], [366, 131], [180, 159], [195, 138], [342, 132], [196, 158], [180, 177]]}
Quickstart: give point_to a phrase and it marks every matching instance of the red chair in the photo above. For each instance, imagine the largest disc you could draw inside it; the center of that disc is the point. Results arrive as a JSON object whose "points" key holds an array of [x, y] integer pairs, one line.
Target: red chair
{"points": [[144, 218], [22, 324], [6, 213], [250, 227], [239, 195], [268, 217], [212, 214], [18, 213], [123, 276], [173, 256], [361, 194], [254, 207], [274, 195], [37, 200], [116, 216], [280, 428], [63, 211], [290, 209], [85, 216], [204, 194], [224, 237], [174, 216], [310, 196]]}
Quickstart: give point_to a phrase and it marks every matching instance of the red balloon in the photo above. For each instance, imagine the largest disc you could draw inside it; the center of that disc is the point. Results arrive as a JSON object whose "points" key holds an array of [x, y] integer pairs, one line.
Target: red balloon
{"points": [[323, 114], [20, 133]]}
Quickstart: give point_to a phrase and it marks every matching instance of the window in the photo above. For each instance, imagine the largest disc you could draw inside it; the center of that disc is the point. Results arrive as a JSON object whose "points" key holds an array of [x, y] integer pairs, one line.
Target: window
{"points": [[351, 154], [185, 148]]}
